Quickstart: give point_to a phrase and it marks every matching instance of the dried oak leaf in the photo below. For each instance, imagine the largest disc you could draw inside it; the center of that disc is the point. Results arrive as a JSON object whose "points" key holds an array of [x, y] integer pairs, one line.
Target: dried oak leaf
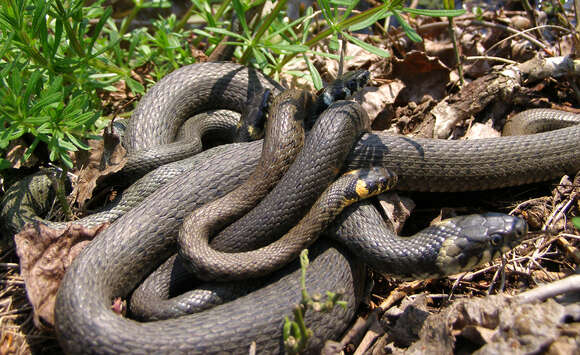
{"points": [[396, 208], [482, 130], [45, 254]]}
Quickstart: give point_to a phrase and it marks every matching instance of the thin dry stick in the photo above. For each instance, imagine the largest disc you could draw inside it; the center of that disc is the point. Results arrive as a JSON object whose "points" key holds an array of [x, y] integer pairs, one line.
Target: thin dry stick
{"points": [[531, 16], [375, 331], [577, 13], [523, 34], [570, 250], [9, 265], [451, 30], [569, 284], [568, 235], [515, 33], [558, 213], [497, 59], [401, 291]]}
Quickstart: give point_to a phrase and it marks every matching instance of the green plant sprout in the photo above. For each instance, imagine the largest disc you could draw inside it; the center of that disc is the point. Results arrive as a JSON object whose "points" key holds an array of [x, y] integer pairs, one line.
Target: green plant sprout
{"points": [[295, 332]]}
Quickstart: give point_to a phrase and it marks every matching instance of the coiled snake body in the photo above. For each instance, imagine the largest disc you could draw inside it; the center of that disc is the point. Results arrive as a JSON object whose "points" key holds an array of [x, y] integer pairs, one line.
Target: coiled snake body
{"points": [[119, 258]]}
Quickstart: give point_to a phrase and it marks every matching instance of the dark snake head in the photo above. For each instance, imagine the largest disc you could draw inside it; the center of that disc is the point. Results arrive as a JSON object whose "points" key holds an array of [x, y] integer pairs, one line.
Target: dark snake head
{"points": [[343, 87], [251, 125], [478, 239], [340, 89]]}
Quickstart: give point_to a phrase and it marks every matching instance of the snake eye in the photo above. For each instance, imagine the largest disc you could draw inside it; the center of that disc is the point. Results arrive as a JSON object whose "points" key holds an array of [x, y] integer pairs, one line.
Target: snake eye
{"points": [[496, 239]]}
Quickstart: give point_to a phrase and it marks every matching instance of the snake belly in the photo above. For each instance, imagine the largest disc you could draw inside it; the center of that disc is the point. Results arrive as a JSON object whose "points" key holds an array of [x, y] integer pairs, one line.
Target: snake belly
{"points": [[122, 255]]}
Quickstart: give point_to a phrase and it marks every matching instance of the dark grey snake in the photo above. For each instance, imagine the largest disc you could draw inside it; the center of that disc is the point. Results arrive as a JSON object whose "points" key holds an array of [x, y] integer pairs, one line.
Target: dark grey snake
{"points": [[133, 246]]}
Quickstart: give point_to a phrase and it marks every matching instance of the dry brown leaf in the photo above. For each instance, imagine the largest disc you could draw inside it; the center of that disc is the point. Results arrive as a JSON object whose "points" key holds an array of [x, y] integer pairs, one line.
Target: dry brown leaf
{"points": [[415, 119], [404, 322], [442, 50], [422, 75], [105, 157], [358, 57], [15, 151], [45, 254], [376, 102], [355, 58], [511, 327]]}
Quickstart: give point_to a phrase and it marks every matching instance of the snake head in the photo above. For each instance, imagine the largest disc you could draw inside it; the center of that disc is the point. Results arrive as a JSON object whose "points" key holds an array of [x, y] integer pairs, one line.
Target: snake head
{"points": [[251, 125], [373, 181], [345, 86], [356, 80], [478, 239], [341, 89]]}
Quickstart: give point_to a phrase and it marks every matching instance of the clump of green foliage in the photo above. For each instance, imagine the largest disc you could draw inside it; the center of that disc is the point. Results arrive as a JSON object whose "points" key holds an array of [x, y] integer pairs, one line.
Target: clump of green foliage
{"points": [[56, 56]]}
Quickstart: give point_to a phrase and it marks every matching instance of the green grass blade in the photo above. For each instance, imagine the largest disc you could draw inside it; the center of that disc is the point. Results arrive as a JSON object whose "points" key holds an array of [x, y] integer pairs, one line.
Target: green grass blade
{"points": [[368, 47], [409, 31], [434, 13]]}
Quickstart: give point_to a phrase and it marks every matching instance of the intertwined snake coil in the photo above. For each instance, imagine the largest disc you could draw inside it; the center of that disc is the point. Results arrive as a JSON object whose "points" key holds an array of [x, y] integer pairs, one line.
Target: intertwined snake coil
{"points": [[120, 257]]}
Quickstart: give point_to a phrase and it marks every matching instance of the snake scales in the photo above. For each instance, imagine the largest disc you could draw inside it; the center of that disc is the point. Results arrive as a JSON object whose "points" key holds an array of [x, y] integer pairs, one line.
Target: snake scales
{"points": [[120, 257]]}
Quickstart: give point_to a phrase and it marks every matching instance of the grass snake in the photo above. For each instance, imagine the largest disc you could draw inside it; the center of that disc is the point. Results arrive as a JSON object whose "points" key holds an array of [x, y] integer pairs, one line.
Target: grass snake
{"points": [[131, 248]]}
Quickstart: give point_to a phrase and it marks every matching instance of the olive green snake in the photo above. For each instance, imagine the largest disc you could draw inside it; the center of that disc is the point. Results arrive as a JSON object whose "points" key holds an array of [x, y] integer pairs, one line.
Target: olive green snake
{"points": [[133, 246]]}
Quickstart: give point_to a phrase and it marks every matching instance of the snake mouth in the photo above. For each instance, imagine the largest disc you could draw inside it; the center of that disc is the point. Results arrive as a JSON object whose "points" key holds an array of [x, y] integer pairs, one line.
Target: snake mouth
{"points": [[514, 235]]}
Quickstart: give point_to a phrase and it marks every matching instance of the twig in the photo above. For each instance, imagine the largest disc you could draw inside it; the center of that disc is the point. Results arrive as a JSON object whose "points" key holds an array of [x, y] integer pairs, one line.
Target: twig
{"points": [[9, 265], [577, 13], [360, 326], [455, 46], [466, 23], [531, 16], [514, 31], [401, 291], [485, 57], [501, 272], [12, 282], [375, 330], [342, 54], [569, 284], [568, 235], [21, 309], [455, 285], [518, 33], [558, 212], [570, 250], [354, 335], [252, 350]]}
